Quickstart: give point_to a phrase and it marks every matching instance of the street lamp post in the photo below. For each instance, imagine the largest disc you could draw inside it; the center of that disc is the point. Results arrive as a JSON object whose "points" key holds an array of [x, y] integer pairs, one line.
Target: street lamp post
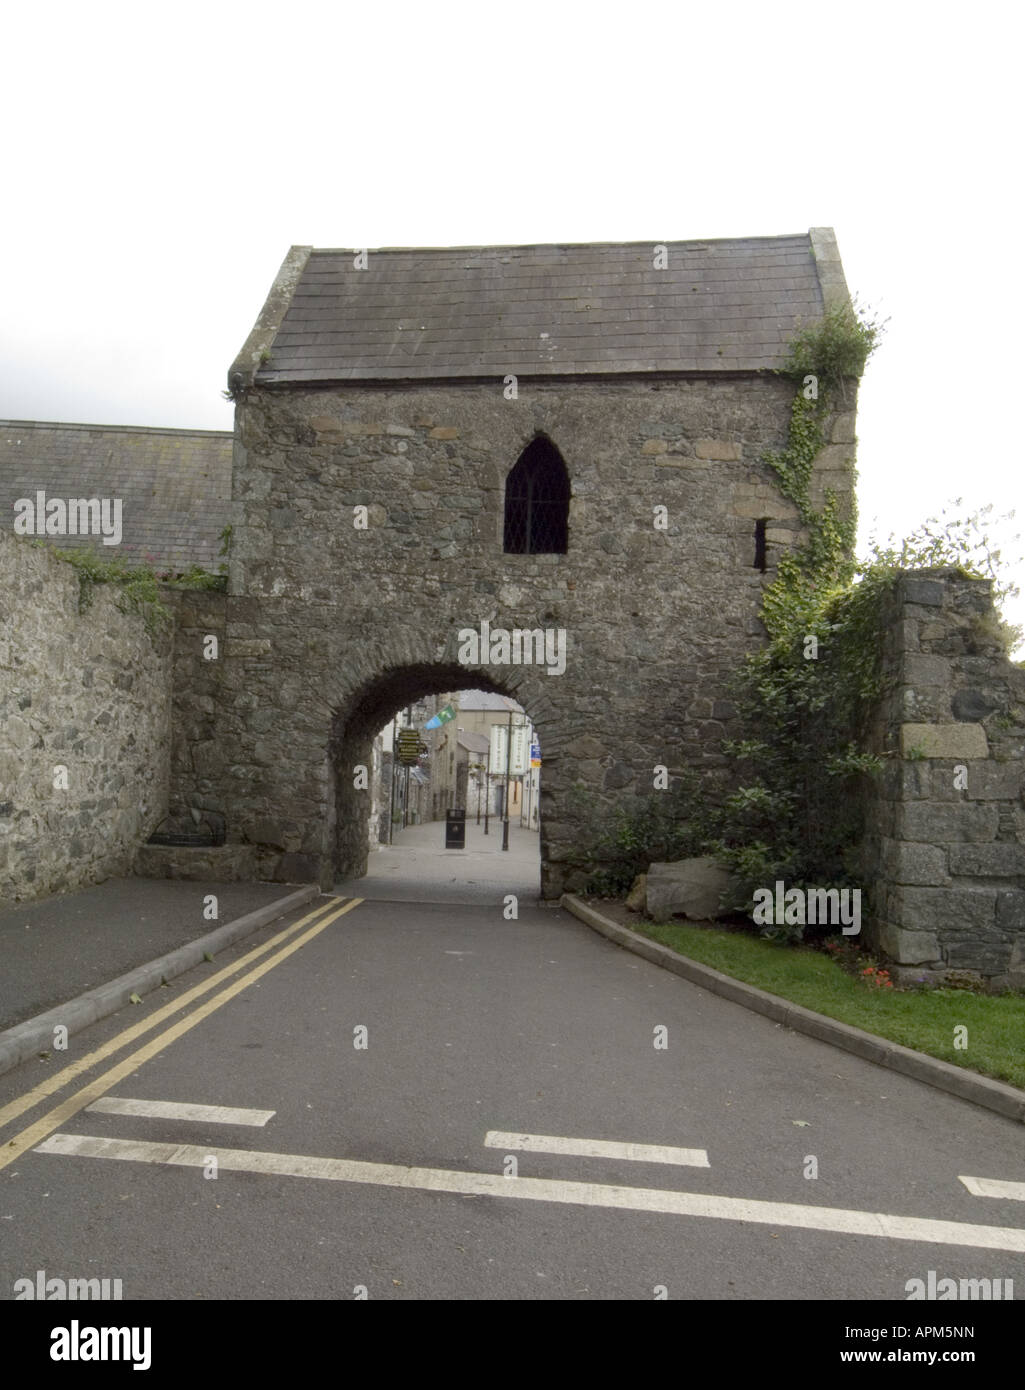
{"points": [[394, 760], [508, 765]]}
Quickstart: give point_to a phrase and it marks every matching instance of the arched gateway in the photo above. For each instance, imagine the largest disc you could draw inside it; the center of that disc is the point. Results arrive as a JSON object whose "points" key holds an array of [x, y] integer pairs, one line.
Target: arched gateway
{"points": [[401, 525]]}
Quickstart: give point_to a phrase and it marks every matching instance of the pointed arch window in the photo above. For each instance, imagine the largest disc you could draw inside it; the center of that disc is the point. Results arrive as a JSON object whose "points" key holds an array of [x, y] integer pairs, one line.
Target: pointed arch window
{"points": [[537, 502]]}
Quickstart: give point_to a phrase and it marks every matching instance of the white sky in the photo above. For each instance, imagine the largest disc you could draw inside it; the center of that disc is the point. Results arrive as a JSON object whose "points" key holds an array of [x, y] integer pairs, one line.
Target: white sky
{"points": [[160, 160]]}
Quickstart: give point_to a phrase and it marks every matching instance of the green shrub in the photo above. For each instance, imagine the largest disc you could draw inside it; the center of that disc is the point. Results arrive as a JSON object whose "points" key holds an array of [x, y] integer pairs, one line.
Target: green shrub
{"points": [[660, 826], [836, 347]]}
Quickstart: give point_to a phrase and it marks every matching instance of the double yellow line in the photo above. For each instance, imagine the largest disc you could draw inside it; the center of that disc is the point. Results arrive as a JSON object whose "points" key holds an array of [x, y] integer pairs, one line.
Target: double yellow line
{"points": [[54, 1118]]}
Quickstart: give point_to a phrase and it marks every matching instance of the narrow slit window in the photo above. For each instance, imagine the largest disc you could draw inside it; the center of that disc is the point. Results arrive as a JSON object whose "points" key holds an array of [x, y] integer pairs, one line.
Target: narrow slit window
{"points": [[537, 502], [760, 544]]}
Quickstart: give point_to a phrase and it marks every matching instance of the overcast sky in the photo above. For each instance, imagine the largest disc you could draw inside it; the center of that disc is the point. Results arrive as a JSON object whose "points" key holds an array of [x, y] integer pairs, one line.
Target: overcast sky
{"points": [[160, 160]]}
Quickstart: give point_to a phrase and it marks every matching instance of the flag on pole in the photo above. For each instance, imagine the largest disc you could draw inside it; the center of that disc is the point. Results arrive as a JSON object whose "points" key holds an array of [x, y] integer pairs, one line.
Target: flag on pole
{"points": [[442, 717]]}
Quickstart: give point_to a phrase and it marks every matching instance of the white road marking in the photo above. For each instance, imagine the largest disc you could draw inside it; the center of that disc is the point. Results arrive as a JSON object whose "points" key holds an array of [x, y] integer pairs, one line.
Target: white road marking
{"points": [[178, 1110], [584, 1194], [596, 1148], [993, 1187]]}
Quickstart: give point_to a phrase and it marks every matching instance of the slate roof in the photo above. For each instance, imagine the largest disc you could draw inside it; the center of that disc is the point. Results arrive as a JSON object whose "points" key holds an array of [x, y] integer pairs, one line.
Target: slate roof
{"points": [[175, 485], [443, 313], [474, 700], [473, 743]]}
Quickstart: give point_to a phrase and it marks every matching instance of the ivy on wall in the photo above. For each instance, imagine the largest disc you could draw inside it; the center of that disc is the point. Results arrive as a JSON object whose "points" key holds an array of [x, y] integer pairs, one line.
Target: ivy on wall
{"points": [[805, 698]]}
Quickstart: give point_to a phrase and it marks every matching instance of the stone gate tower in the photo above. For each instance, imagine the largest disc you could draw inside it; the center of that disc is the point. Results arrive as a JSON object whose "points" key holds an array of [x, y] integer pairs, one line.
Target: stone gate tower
{"points": [[528, 440]]}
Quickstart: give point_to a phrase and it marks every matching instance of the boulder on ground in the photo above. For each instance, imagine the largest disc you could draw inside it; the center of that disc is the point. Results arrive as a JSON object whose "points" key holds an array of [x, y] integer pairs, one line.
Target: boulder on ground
{"points": [[694, 888], [635, 898]]}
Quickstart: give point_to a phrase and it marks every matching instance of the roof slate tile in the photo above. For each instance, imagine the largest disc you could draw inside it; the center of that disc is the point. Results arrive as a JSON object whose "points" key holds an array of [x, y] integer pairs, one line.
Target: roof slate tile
{"points": [[419, 313], [174, 485]]}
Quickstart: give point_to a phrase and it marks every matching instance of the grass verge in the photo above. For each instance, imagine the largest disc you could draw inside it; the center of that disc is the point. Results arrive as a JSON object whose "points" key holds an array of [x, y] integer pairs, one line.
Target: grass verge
{"points": [[923, 1019]]}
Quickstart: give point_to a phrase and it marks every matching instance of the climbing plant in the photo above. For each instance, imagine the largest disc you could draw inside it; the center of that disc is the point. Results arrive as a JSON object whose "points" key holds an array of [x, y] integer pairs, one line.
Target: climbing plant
{"points": [[804, 699]]}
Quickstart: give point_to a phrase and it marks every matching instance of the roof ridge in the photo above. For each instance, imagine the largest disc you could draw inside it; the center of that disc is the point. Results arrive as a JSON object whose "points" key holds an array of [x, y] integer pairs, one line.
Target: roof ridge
{"points": [[560, 245], [120, 429]]}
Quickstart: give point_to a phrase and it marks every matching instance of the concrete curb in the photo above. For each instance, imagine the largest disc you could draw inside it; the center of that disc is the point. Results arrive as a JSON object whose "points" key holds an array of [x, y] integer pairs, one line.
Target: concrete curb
{"points": [[980, 1090], [36, 1034]]}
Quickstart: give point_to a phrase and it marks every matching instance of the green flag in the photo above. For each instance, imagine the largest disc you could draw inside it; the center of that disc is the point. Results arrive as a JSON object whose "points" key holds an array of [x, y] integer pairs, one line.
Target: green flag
{"points": [[442, 717]]}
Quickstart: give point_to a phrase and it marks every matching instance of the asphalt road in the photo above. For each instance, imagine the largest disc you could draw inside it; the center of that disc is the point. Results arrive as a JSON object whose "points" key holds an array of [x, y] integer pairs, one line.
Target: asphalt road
{"points": [[474, 1025]]}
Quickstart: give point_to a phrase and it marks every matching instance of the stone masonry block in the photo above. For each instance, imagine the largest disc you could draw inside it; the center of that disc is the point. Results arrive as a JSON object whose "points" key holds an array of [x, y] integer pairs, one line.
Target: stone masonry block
{"points": [[913, 863], [927, 592], [993, 781], [939, 778], [942, 910], [926, 704], [962, 822], [907, 947], [258, 646], [961, 741], [725, 450], [915, 783], [982, 956], [834, 457], [267, 832], [775, 507], [1001, 859], [926, 670]]}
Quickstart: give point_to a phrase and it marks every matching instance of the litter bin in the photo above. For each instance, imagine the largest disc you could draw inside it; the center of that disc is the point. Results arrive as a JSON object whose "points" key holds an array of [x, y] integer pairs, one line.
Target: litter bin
{"points": [[455, 829]]}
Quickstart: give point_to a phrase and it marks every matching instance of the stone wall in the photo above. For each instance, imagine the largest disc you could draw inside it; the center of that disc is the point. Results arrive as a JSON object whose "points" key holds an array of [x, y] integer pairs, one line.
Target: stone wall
{"points": [[945, 850], [86, 691], [197, 690], [330, 628]]}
